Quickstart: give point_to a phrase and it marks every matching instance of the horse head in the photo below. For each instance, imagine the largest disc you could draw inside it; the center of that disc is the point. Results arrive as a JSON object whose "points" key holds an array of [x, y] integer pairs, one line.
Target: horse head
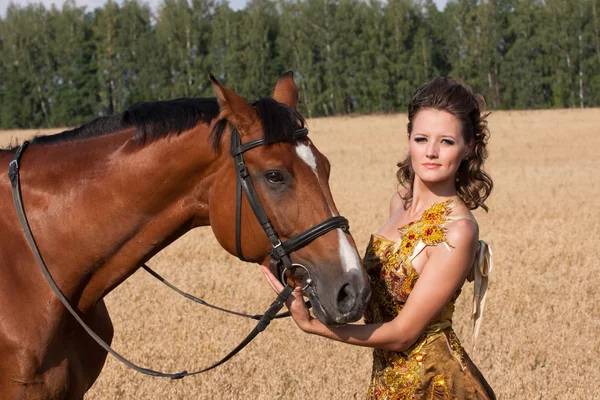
{"points": [[291, 181]]}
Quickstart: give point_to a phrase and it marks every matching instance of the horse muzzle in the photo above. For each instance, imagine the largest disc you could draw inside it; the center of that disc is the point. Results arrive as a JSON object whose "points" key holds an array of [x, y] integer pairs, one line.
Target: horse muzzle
{"points": [[342, 304]]}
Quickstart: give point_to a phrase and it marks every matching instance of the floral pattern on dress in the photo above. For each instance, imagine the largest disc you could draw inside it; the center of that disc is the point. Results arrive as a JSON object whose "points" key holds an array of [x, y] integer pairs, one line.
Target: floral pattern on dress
{"points": [[429, 228], [399, 375]]}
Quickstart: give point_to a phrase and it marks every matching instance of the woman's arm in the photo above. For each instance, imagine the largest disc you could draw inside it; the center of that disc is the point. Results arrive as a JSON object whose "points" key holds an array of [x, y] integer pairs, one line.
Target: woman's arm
{"points": [[441, 276]]}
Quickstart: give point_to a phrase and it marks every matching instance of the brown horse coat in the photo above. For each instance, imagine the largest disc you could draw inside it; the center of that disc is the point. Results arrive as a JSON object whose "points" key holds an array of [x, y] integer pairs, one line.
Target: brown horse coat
{"points": [[104, 198]]}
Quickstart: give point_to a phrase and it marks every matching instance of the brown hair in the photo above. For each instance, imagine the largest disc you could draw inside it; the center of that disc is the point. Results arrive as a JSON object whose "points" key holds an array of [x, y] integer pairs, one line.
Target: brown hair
{"points": [[444, 93]]}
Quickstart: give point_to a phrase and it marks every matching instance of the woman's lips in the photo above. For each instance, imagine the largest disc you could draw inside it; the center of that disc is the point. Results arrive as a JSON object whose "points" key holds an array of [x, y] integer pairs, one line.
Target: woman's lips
{"points": [[431, 165]]}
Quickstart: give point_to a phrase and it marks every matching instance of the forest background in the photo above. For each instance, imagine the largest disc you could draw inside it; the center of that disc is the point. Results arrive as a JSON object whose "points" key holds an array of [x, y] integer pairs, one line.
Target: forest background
{"points": [[62, 67]]}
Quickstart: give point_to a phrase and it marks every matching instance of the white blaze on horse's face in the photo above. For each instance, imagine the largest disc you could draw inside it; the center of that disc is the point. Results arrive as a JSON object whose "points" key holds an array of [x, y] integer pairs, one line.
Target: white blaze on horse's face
{"points": [[348, 255], [306, 154], [350, 261]]}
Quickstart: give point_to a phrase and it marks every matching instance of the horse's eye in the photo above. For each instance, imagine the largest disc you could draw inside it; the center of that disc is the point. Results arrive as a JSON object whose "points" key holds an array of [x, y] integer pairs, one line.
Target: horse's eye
{"points": [[275, 177]]}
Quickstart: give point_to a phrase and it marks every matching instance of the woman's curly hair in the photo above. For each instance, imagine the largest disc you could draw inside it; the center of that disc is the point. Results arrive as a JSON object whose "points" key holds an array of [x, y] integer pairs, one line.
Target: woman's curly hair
{"points": [[444, 93]]}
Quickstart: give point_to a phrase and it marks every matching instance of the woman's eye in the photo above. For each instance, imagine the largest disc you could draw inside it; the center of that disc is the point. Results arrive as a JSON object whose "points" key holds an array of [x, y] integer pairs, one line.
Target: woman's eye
{"points": [[274, 177], [420, 140], [448, 141]]}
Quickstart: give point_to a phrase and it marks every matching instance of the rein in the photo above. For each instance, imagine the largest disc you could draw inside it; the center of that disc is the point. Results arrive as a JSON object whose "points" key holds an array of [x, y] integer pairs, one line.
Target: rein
{"points": [[279, 252]]}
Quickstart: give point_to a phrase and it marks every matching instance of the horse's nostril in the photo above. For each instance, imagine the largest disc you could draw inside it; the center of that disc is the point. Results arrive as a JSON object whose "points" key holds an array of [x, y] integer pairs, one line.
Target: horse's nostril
{"points": [[346, 298]]}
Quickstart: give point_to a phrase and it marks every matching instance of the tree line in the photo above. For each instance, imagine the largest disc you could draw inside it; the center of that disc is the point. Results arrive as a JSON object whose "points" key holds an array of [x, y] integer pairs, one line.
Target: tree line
{"points": [[62, 67]]}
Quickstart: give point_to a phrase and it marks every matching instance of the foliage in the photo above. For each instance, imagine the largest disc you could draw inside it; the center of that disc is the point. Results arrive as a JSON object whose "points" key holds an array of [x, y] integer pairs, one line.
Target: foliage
{"points": [[64, 67]]}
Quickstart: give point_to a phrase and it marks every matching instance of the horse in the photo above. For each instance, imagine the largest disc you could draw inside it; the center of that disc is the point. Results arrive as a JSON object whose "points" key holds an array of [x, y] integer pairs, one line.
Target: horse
{"points": [[103, 198]]}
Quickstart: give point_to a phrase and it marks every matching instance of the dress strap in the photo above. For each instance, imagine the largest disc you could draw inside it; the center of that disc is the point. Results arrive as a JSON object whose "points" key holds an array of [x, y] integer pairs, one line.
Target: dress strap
{"points": [[451, 218], [421, 246], [479, 276], [418, 249]]}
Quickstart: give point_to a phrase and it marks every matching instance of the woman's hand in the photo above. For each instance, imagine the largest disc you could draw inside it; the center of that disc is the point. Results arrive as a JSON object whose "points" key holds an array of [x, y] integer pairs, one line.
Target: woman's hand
{"points": [[295, 303], [361, 335]]}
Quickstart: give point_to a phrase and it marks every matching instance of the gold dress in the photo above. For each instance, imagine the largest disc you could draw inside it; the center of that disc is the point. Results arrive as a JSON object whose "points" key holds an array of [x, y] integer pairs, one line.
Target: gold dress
{"points": [[436, 366]]}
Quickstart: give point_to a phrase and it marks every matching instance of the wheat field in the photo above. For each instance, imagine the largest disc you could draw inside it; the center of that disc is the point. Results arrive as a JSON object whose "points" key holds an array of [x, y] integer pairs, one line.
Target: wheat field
{"points": [[539, 338]]}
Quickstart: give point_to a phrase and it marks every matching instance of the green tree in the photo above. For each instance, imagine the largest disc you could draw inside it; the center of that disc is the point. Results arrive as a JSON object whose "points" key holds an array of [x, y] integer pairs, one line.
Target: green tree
{"points": [[183, 37], [224, 46], [525, 72], [318, 16], [258, 55], [75, 87], [369, 90], [560, 30], [492, 19], [298, 52], [399, 27], [138, 60], [62, 67], [203, 13], [108, 69], [29, 67], [592, 60]]}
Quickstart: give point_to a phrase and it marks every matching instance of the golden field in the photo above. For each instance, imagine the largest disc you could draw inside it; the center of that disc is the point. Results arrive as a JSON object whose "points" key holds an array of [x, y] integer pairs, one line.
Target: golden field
{"points": [[540, 337]]}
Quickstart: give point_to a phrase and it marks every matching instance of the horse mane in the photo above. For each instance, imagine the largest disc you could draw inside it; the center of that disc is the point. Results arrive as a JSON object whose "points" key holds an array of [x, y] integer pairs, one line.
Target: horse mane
{"points": [[157, 119], [279, 122], [152, 120]]}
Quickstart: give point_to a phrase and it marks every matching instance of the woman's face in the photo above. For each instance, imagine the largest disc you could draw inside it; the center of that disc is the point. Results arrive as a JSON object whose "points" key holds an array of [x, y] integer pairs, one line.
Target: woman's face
{"points": [[436, 145]]}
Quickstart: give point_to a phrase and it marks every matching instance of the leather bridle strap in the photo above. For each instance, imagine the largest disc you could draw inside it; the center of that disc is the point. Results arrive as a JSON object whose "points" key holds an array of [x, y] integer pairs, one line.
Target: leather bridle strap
{"points": [[244, 182], [193, 298], [238, 217], [265, 320], [304, 238], [279, 251]]}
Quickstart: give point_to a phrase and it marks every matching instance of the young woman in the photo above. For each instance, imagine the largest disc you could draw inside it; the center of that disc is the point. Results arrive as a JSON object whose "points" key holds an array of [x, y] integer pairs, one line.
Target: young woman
{"points": [[420, 258]]}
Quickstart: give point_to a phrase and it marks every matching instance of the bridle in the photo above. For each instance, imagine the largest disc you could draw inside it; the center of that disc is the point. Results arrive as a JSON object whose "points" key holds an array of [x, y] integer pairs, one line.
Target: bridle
{"points": [[280, 251]]}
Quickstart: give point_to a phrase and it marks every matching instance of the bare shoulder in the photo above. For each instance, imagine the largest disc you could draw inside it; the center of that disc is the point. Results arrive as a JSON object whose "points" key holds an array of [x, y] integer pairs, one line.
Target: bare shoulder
{"points": [[465, 227], [462, 238], [396, 202], [462, 232], [459, 208]]}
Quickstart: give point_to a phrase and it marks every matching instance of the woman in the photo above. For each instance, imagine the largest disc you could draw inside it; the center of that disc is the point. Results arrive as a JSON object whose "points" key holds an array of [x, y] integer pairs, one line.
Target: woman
{"points": [[419, 259]]}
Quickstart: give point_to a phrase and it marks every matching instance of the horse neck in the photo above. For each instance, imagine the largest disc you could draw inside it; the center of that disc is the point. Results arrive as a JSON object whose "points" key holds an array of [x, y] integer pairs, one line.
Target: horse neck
{"points": [[113, 203]]}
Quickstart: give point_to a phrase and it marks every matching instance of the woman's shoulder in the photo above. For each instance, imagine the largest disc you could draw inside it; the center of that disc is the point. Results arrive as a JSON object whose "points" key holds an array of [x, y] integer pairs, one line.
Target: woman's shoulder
{"points": [[461, 230], [460, 212], [461, 227]]}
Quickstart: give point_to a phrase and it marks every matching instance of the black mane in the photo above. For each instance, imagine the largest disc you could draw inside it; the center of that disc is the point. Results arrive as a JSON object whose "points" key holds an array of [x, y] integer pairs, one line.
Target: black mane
{"points": [[279, 123], [157, 119], [152, 121]]}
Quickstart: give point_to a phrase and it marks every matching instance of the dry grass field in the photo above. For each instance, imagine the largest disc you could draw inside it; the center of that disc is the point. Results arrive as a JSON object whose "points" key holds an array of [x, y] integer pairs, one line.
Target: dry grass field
{"points": [[540, 335]]}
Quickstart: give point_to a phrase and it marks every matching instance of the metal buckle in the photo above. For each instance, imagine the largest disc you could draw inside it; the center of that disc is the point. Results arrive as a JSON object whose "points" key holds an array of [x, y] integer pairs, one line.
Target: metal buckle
{"points": [[15, 163], [308, 281], [277, 251], [242, 170]]}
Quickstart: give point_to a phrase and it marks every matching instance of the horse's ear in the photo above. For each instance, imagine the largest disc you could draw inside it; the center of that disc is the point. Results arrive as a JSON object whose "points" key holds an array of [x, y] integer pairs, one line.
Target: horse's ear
{"points": [[234, 108], [285, 90]]}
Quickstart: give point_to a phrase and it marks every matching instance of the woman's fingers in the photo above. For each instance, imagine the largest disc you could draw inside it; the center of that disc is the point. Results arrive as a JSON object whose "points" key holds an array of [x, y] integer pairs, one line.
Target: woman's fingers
{"points": [[273, 281], [295, 302], [278, 287]]}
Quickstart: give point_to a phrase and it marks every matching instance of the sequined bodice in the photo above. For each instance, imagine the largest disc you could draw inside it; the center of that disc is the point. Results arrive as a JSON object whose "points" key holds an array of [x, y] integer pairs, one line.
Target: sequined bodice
{"points": [[389, 264], [436, 365]]}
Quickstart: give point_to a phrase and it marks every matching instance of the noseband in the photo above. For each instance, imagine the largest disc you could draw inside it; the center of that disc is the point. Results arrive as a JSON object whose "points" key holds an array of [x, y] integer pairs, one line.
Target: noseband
{"points": [[280, 251]]}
